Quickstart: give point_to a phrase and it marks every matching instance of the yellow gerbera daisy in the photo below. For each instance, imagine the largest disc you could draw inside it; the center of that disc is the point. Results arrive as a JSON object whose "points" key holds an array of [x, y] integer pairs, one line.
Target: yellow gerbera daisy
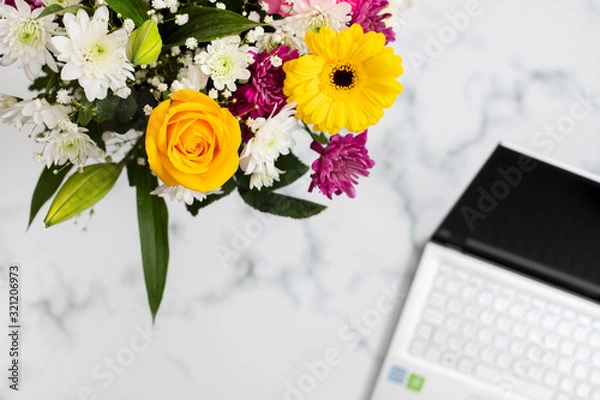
{"points": [[346, 82]]}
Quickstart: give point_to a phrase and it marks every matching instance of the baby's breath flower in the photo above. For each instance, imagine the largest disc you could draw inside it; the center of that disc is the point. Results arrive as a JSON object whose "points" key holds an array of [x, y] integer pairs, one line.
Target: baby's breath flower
{"points": [[254, 16], [191, 43], [63, 96], [182, 19], [129, 25], [147, 109], [220, 5], [159, 4], [213, 94], [123, 92]]}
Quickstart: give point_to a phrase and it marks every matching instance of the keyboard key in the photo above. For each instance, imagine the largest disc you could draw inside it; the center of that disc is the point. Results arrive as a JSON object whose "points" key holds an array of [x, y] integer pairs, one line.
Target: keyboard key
{"points": [[466, 365], [449, 359], [471, 349], [583, 389], [581, 333], [581, 371], [424, 331], [455, 343], [551, 378], [583, 353], [565, 365], [439, 337], [453, 323], [568, 384], [488, 355], [595, 376], [433, 316], [564, 328], [417, 347], [438, 299], [433, 353]]}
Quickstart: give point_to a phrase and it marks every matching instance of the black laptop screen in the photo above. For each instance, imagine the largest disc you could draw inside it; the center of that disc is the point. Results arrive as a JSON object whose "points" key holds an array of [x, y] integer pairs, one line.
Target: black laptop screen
{"points": [[531, 216]]}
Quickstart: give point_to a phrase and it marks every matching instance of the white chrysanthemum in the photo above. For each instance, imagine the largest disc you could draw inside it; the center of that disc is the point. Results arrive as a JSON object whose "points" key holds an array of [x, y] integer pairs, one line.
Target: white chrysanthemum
{"points": [[265, 177], [41, 112], [34, 111], [312, 15], [25, 38], [96, 58], [225, 61], [11, 111], [181, 193], [272, 40], [69, 143], [272, 138]]}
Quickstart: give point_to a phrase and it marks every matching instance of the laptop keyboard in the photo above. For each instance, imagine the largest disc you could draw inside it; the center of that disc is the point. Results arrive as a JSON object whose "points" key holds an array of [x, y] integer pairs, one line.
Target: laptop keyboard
{"points": [[501, 335]]}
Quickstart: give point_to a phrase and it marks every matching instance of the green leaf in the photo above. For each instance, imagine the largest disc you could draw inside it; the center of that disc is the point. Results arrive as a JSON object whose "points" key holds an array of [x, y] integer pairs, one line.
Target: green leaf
{"points": [[197, 205], [84, 116], [153, 222], [279, 204], [294, 170], [56, 8], [47, 185], [125, 110], [81, 191], [206, 24], [103, 110], [51, 9], [134, 9]]}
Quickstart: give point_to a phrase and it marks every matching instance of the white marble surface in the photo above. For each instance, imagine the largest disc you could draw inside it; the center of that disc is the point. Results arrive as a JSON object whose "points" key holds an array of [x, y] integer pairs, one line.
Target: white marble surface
{"points": [[298, 290]]}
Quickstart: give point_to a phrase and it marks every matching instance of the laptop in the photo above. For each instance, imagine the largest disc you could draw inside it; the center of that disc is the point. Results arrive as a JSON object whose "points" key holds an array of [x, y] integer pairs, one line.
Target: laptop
{"points": [[505, 300]]}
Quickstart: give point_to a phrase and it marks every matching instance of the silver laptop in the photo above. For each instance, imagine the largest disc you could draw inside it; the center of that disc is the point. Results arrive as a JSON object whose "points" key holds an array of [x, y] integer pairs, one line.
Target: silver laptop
{"points": [[505, 303]]}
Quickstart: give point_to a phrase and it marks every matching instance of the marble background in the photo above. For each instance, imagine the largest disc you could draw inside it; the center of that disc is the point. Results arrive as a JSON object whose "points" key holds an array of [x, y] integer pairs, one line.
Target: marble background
{"points": [[293, 294]]}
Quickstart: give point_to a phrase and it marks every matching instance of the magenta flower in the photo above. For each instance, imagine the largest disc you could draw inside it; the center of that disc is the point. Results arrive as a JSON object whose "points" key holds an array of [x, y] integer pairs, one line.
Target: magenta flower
{"points": [[33, 4], [341, 163], [368, 14], [264, 94]]}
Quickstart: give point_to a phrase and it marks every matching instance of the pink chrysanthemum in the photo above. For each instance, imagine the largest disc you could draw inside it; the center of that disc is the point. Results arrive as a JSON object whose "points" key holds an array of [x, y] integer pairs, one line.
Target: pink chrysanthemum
{"points": [[369, 15], [341, 163], [264, 94]]}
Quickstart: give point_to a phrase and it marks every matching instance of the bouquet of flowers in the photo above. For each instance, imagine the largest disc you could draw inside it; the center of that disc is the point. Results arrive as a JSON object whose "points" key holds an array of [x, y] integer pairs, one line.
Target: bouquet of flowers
{"points": [[195, 99]]}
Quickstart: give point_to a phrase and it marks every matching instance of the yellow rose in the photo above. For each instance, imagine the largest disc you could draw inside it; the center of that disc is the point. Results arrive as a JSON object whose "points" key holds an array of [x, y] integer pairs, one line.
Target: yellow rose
{"points": [[193, 142]]}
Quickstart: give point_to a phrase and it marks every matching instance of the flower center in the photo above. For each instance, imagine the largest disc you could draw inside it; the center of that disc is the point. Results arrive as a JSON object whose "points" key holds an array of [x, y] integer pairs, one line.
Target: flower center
{"points": [[29, 32], [95, 53], [343, 77], [222, 66]]}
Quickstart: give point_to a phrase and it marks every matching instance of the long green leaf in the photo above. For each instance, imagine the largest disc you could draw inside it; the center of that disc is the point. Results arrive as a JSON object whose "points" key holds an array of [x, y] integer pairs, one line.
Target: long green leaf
{"points": [[81, 191], [153, 223], [47, 185], [134, 9], [206, 24], [279, 204]]}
